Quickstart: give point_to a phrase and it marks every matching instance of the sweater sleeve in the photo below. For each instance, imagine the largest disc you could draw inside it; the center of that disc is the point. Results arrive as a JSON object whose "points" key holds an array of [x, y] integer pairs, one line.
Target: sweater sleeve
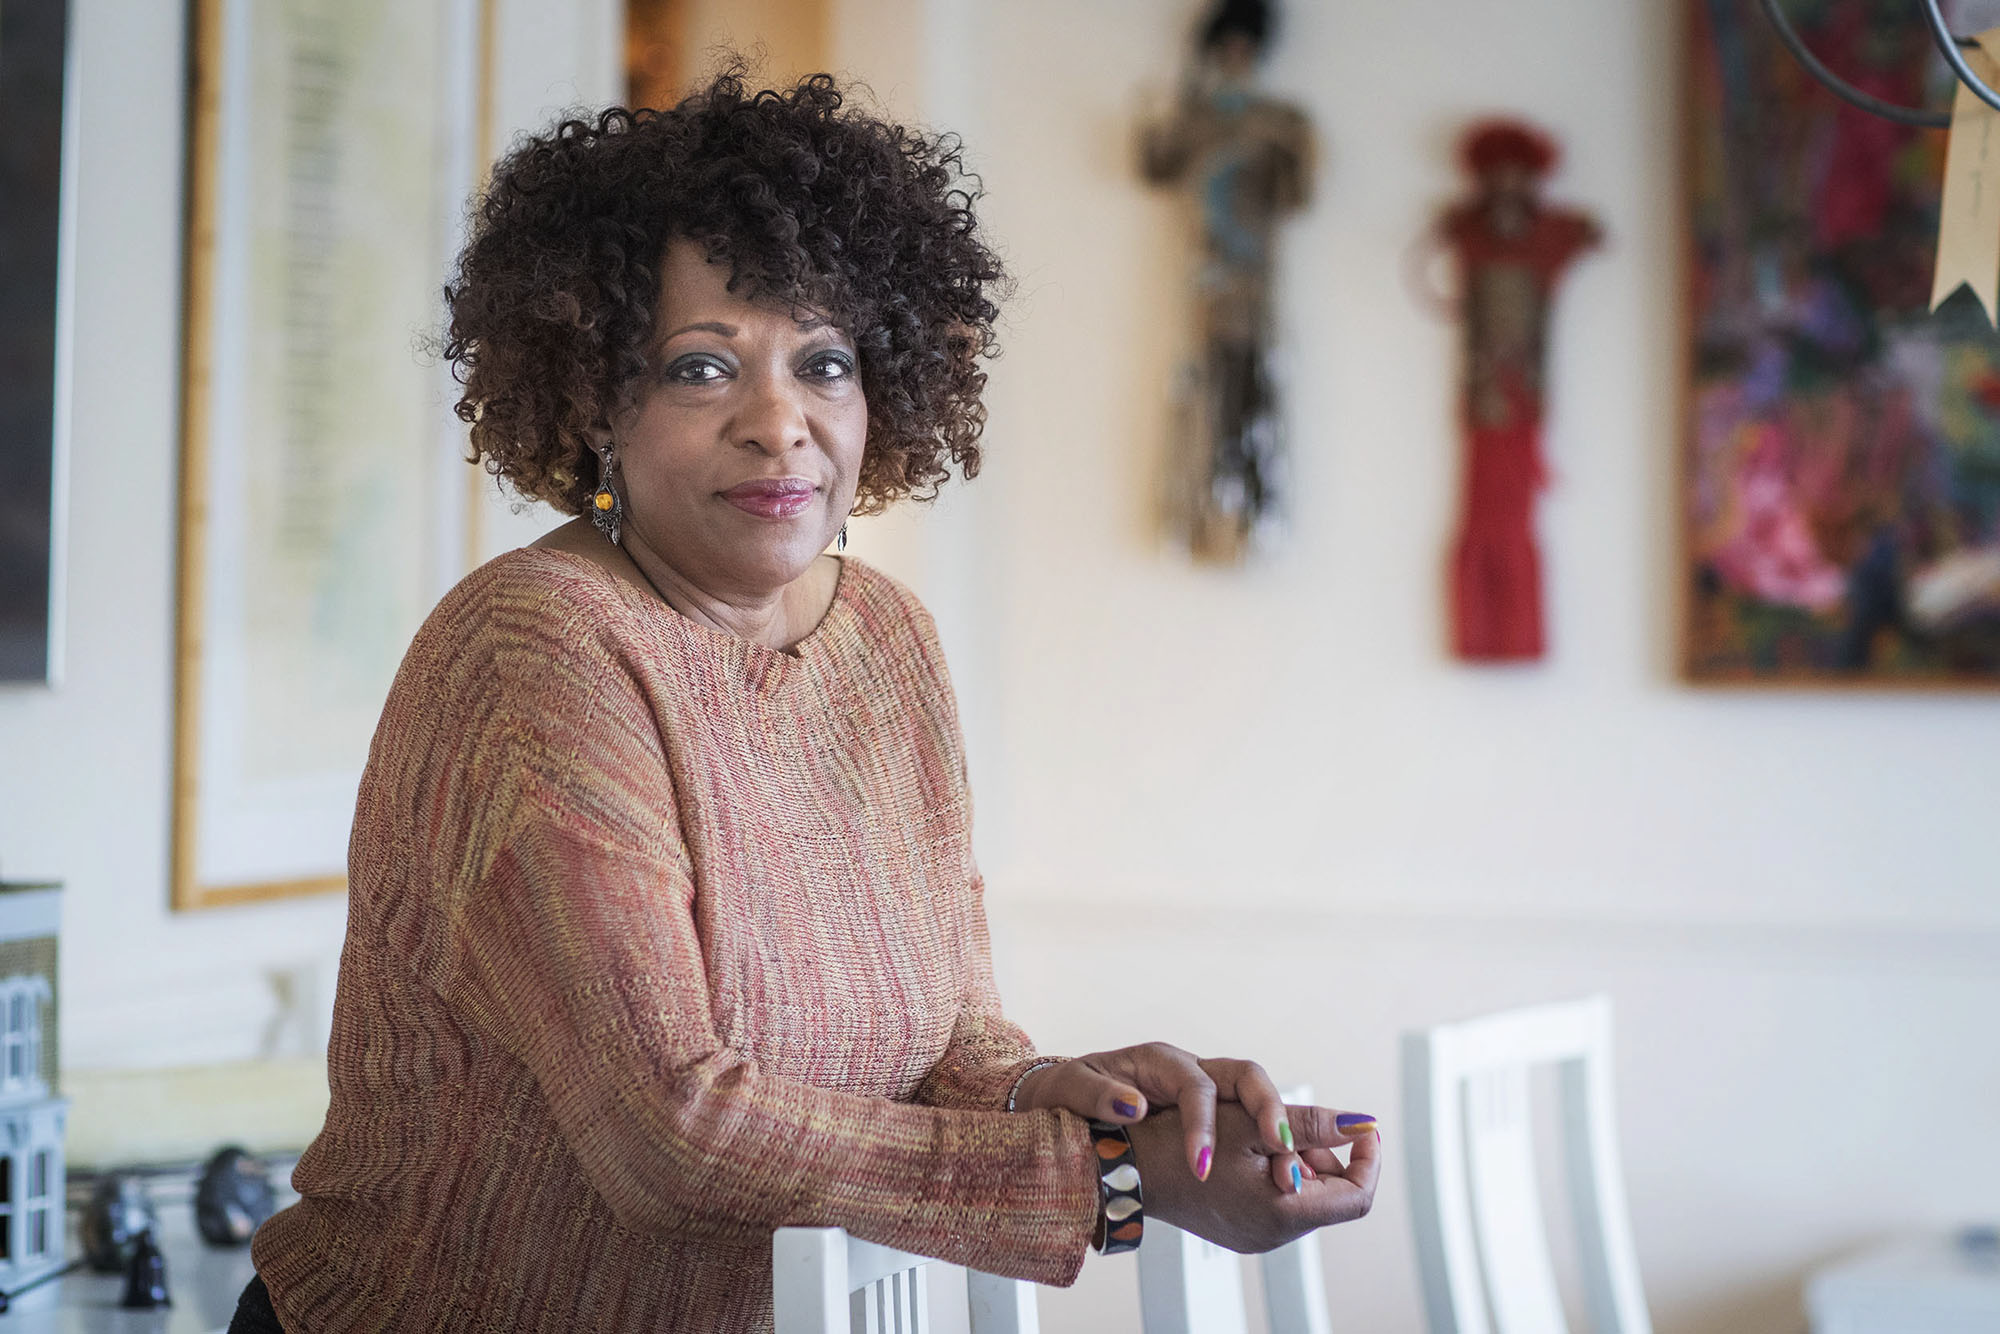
{"points": [[987, 1052], [574, 946]]}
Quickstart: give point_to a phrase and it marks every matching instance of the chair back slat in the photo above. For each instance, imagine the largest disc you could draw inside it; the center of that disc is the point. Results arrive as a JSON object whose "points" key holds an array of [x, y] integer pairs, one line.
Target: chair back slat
{"points": [[897, 1303], [1440, 1189], [1612, 1291], [1187, 1285], [1294, 1283], [1001, 1305], [1295, 1286], [1506, 1204]]}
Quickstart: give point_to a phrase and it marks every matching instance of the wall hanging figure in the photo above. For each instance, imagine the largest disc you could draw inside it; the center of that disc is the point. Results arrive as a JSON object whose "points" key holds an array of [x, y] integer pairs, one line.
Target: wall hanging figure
{"points": [[1510, 249], [1246, 159]]}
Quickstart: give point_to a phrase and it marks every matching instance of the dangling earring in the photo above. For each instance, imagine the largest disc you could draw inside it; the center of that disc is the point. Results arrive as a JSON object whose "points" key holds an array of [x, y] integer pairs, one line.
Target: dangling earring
{"points": [[607, 511], [840, 543]]}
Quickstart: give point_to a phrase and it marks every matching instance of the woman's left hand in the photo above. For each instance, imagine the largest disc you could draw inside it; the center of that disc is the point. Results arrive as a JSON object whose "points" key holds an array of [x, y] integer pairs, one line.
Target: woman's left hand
{"points": [[1122, 1086]]}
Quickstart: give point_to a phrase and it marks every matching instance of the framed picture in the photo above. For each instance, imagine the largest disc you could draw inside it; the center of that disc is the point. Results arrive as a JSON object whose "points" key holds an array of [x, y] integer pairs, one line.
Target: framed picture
{"points": [[324, 499], [32, 59], [1841, 481]]}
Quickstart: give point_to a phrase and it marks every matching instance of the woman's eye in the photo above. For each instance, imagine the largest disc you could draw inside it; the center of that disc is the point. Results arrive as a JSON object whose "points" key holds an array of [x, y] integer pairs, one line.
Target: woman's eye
{"points": [[830, 366], [696, 370]]}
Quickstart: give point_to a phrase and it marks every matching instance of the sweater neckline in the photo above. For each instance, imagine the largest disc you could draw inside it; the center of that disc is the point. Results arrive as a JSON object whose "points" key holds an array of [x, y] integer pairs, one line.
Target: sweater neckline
{"points": [[765, 666]]}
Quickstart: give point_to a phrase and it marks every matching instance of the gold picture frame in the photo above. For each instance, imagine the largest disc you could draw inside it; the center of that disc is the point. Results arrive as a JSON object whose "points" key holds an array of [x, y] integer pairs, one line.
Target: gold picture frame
{"points": [[324, 503]]}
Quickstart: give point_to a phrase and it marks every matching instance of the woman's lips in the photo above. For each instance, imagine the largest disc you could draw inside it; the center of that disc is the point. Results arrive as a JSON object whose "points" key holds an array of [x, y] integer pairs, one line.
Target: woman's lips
{"points": [[772, 498]]}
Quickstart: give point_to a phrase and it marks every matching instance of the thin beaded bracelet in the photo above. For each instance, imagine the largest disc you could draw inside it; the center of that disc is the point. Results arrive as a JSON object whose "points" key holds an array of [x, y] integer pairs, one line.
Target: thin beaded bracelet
{"points": [[1121, 1209], [1022, 1078]]}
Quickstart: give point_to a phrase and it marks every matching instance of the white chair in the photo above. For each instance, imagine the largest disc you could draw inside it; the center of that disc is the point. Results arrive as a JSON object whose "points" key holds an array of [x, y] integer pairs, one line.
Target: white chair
{"points": [[1481, 1237], [1191, 1286], [826, 1282]]}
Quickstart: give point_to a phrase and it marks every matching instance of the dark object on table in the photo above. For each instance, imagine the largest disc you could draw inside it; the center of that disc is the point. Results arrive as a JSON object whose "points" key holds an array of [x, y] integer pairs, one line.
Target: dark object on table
{"points": [[146, 1277], [233, 1198], [117, 1214]]}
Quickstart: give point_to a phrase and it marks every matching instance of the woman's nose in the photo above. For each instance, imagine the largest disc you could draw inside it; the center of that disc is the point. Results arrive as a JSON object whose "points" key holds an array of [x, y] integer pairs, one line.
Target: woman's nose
{"points": [[773, 417]]}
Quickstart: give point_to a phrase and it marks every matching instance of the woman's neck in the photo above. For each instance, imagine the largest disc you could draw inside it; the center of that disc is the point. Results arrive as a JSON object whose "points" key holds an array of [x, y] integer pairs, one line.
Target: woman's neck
{"points": [[777, 618]]}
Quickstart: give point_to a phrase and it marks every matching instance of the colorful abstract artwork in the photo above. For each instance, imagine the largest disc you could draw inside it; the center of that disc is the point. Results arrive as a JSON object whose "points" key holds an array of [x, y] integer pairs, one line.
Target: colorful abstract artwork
{"points": [[1842, 470]]}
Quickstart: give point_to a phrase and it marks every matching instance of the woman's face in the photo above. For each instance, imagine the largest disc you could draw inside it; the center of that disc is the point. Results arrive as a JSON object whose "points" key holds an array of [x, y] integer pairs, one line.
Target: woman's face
{"points": [[740, 453]]}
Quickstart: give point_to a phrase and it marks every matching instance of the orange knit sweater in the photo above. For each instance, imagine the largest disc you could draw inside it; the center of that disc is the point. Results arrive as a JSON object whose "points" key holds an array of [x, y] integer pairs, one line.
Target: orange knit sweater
{"points": [[658, 940]]}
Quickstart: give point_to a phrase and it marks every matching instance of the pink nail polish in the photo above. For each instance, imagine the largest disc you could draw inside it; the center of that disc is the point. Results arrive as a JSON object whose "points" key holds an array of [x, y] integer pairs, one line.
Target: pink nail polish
{"points": [[1201, 1163]]}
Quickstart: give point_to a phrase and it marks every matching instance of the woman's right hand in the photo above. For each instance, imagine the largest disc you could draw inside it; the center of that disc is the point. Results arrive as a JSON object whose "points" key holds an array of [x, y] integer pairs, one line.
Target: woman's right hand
{"points": [[1237, 1206]]}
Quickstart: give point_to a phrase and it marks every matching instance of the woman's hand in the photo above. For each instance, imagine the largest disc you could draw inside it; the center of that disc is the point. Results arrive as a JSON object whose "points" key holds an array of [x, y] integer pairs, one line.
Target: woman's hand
{"points": [[1123, 1086], [1236, 1206]]}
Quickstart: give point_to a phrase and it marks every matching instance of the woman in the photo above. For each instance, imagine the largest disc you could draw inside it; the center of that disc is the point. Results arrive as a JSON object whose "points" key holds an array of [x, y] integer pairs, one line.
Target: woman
{"points": [[663, 929]]}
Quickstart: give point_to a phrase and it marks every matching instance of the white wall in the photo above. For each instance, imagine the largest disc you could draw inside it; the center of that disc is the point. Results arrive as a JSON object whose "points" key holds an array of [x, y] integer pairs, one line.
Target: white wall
{"points": [[1255, 812], [1305, 709]]}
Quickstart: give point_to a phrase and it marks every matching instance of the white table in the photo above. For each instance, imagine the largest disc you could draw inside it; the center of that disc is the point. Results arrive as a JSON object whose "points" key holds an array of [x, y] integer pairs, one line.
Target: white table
{"points": [[1929, 1285], [205, 1284]]}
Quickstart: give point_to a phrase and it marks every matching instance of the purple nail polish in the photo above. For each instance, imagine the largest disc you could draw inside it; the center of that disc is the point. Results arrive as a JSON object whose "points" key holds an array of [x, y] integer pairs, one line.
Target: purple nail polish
{"points": [[1354, 1123], [1123, 1108], [1201, 1163]]}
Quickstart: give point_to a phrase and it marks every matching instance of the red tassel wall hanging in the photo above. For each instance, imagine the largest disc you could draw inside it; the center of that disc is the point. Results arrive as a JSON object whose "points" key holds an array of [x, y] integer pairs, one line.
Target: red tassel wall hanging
{"points": [[1511, 250]]}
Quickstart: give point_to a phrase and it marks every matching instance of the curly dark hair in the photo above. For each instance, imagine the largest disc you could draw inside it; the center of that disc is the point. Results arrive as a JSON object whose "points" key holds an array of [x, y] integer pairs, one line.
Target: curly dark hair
{"points": [[808, 202]]}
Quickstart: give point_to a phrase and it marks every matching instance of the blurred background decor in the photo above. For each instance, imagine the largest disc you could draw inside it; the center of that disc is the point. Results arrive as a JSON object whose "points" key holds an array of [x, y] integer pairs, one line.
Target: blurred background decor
{"points": [[1511, 251], [1842, 474], [32, 54], [1244, 160], [232, 1197], [33, 1114], [324, 496], [669, 43]]}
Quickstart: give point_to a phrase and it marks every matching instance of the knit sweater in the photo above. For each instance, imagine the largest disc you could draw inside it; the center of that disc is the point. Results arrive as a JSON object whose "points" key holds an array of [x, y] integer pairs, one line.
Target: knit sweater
{"points": [[658, 940]]}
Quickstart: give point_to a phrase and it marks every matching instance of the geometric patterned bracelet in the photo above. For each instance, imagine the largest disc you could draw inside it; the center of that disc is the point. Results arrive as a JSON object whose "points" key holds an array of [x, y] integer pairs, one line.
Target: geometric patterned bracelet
{"points": [[1121, 1210]]}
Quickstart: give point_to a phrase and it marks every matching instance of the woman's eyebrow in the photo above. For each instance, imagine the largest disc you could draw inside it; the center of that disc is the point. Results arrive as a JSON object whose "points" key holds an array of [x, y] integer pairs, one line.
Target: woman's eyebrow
{"points": [[706, 326]]}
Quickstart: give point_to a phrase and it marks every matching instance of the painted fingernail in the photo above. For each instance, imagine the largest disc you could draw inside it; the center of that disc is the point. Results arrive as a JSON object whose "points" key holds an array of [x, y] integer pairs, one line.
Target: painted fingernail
{"points": [[1310, 1174], [1285, 1134], [1124, 1108], [1298, 1179], [1202, 1161], [1354, 1123]]}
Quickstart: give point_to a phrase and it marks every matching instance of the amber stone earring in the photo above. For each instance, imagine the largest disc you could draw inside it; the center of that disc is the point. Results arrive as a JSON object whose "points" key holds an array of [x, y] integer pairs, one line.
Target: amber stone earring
{"points": [[607, 511]]}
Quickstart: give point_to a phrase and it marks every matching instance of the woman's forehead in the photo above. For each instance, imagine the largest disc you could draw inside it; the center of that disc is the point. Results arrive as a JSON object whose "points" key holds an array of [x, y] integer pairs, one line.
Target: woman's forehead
{"points": [[694, 289]]}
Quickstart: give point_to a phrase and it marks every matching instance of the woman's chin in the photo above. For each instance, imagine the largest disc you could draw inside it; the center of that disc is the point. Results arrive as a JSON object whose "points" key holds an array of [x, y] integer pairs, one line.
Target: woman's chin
{"points": [[775, 557]]}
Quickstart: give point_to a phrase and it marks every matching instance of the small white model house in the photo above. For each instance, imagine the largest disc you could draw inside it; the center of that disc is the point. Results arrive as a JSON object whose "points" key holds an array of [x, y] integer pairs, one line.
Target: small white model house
{"points": [[32, 1115]]}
